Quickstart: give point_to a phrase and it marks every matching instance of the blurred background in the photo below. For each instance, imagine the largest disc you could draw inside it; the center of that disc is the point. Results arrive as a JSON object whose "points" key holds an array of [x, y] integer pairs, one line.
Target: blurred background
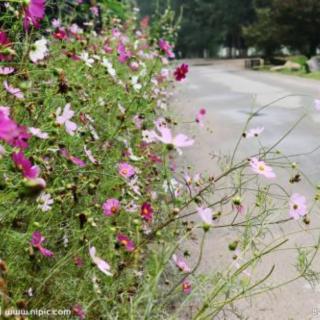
{"points": [[241, 28]]}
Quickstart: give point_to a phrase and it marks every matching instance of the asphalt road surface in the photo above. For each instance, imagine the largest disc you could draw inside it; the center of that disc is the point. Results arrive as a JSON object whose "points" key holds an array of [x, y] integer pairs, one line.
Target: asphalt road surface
{"points": [[229, 94]]}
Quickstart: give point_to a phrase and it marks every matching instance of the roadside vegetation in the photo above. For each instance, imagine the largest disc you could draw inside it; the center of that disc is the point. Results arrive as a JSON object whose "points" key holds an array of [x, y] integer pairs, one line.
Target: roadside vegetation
{"points": [[94, 211]]}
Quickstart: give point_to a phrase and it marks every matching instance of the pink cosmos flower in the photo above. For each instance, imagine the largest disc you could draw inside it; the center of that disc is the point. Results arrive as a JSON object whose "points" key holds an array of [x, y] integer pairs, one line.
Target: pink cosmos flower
{"points": [[255, 132], [134, 66], [200, 116], [179, 141], [11, 132], [181, 72], [126, 170], [205, 214], [138, 121], [298, 206], [37, 240], [186, 287], [116, 33], [164, 75], [65, 117], [29, 170], [4, 71], [181, 264], [147, 212], [14, 91], [38, 133], [89, 155], [75, 29], [106, 47], [111, 207], [33, 13], [167, 48], [56, 23], [126, 242], [95, 11], [161, 123], [261, 168], [5, 47], [102, 265], [65, 153], [78, 311], [124, 55]]}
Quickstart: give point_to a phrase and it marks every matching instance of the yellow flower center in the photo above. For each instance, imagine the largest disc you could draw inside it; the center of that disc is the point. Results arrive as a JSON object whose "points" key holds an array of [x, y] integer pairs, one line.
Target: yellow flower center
{"points": [[186, 286], [124, 242]]}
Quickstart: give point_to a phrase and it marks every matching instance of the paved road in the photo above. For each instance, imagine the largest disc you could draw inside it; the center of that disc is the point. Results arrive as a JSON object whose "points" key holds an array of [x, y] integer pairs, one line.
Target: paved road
{"points": [[229, 94]]}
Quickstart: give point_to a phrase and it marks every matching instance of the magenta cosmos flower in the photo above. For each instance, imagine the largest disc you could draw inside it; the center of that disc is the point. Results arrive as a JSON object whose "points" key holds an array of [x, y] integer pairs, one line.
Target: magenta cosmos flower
{"points": [[147, 212], [33, 13], [298, 206], [123, 53], [200, 116], [37, 240], [111, 207], [166, 47], [261, 168], [186, 287], [24, 164], [30, 172], [181, 72], [126, 170], [126, 242], [181, 264], [5, 47], [78, 162], [11, 132], [78, 311]]}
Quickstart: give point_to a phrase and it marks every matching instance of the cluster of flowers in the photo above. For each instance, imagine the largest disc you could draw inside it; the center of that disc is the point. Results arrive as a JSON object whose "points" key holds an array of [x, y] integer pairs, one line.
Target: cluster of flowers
{"points": [[133, 55], [17, 136]]}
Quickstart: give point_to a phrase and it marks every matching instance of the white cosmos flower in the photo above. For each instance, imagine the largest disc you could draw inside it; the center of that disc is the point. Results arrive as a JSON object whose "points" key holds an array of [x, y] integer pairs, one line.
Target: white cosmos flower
{"points": [[39, 50], [136, 85], [38, 133], [106, 63], [102, 265], [86, 59], [45, 202]]}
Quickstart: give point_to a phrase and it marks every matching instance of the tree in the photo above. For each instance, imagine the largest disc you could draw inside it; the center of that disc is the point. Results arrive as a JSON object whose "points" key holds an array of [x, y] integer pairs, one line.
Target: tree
{"points": [[208, 24], [298, 24], [292, 23], [263, 34]]}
